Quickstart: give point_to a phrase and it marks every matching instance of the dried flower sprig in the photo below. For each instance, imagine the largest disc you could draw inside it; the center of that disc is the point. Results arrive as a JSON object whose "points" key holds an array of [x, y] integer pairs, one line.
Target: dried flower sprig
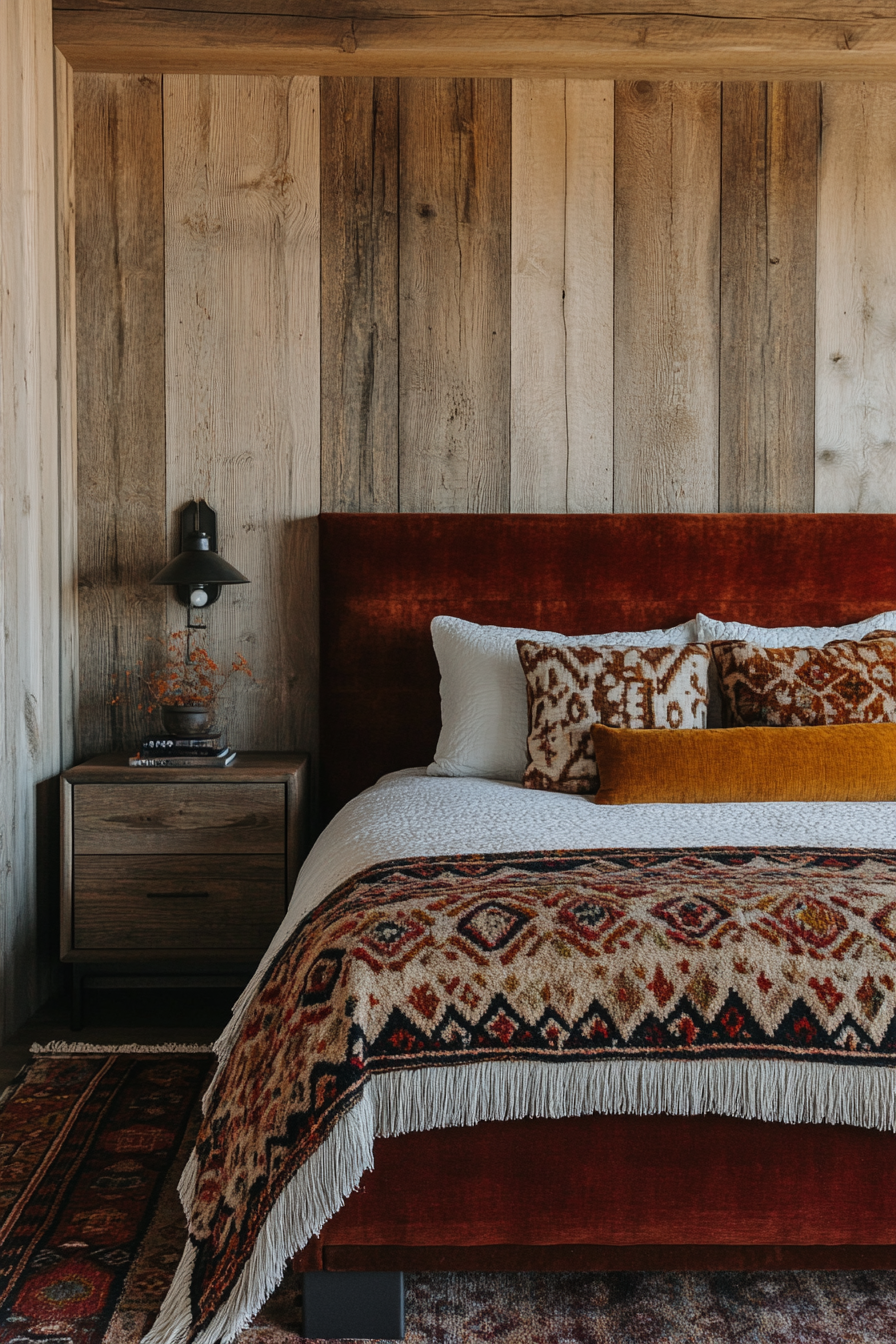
{"points": [[179, 682]]}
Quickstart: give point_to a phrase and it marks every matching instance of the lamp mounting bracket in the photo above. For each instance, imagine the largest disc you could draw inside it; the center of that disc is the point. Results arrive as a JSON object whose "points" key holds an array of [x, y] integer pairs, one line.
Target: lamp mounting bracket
{"points": [[197, 516]]}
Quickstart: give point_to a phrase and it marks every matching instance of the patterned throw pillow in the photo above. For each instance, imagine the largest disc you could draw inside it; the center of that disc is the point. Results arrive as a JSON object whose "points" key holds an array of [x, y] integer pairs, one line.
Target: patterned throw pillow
{"points": [[571, 688], [846, 681]]}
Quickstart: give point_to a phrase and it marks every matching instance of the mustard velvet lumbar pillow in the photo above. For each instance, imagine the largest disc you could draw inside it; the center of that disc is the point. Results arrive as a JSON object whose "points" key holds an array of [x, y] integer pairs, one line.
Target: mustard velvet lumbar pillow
{"points": [[849, 763], [569, 688]]}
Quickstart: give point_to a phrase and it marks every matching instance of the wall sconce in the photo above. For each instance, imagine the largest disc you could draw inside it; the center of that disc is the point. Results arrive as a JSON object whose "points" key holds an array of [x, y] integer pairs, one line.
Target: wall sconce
{"points": [[198, 572]]}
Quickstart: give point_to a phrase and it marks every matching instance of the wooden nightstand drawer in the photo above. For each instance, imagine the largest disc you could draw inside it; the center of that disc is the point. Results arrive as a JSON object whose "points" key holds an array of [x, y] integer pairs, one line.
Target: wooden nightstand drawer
{"points": [[176, 904], [172, 876], [179, 819]]}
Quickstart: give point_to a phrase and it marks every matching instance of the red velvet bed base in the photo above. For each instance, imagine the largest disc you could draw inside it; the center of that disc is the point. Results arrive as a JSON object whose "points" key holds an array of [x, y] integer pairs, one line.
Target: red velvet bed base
{"points": [[600, 1192], [620, 1192]]}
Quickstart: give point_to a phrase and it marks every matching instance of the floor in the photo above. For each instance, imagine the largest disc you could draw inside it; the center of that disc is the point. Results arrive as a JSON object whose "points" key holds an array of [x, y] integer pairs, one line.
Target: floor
{"points": [[123, 1017]]}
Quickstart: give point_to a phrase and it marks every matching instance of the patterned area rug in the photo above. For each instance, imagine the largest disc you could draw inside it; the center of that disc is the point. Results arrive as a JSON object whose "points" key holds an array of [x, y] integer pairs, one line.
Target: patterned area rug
{"points": [[91, 1147], [87, 1146]]}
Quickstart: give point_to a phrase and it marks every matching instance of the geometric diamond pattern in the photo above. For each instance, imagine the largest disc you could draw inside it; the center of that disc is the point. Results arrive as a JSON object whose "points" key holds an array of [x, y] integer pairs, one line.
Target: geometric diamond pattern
{"points": [[563, 957]]}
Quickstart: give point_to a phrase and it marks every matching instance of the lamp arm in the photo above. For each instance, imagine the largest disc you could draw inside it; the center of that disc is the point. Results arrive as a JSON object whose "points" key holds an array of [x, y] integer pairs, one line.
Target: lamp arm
{"points": [[190, 628]]}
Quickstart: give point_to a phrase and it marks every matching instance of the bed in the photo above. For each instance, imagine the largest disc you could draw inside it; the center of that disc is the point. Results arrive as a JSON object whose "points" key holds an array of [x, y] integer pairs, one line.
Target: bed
{"points": [[636, 1186]]}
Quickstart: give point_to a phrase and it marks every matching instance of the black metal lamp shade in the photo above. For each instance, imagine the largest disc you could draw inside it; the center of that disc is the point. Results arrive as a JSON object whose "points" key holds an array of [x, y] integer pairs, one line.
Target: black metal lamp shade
{"points": [[198, 566], [198, 571]]}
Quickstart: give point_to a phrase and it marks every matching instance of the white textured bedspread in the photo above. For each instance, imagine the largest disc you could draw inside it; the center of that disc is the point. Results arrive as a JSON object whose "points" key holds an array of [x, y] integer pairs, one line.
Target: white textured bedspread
{"points": [[410, 813]]}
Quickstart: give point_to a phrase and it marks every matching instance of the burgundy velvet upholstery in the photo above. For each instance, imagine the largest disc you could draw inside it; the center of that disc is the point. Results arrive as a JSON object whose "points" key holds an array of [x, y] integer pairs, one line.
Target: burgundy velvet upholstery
{"points": [[602, 1183], [599, 1192], [384, 577], [674, 1258]]}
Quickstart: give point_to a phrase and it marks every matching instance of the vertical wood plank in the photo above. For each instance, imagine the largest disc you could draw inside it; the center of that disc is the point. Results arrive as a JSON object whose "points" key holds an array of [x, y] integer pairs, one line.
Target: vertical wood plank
{"points": [[588, 285], [667, 297], [242, 158], [767, 349], [539, 449], [120, 259], [561, 420], [855, 439], [454, 304], [29, 507], [359, 294], [68, 406]]}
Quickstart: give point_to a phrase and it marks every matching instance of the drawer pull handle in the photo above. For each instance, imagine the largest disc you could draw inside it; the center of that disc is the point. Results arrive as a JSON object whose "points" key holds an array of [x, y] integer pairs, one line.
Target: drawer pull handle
{"points": [[164, 895]]}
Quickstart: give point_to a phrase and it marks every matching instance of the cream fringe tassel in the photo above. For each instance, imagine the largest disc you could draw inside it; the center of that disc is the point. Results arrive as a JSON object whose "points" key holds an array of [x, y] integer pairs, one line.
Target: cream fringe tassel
{"points": [[85, 1048], [436, 1098]]}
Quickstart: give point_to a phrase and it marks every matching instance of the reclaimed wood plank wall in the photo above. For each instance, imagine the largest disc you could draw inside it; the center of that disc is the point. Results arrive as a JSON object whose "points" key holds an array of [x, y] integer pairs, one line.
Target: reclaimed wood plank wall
{"points": [[701, 300], [242, 381], [666, 442], [34, 714], [120, 313], [535, 295], [198, 377], [561, 327], [855, 404], [767, 300]]}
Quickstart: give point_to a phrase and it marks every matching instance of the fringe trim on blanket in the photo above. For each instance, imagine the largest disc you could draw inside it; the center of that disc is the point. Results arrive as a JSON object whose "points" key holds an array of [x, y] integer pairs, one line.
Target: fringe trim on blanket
{"points": [[400, 1102], [85, 1048]]}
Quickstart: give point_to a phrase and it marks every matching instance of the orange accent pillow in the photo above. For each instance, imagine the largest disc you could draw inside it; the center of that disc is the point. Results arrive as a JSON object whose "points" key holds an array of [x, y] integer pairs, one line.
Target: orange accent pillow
{"points": [[854, 762]]}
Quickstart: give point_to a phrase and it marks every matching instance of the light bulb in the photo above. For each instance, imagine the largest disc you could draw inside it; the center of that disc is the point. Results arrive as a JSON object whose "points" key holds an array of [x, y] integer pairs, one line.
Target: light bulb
{"points": [[198, 597]]}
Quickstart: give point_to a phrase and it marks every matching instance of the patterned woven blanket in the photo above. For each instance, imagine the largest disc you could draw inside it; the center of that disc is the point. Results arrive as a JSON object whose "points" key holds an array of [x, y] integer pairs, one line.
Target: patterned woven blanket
{"points": [[714, 961]]}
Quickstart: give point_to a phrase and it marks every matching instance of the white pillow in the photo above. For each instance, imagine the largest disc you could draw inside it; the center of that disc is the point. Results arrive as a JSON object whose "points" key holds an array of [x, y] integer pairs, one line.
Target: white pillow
{"points": [[791, 636], [485, 719]]}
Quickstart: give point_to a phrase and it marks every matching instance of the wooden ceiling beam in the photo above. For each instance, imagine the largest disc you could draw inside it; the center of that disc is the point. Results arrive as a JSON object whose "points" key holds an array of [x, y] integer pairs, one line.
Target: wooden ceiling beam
{"points": [[845, 12], [614, 46]]}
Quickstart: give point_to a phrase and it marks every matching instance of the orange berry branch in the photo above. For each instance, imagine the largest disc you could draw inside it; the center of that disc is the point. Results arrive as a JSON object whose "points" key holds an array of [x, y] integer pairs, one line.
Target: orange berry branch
{"points": [[179, 681]]}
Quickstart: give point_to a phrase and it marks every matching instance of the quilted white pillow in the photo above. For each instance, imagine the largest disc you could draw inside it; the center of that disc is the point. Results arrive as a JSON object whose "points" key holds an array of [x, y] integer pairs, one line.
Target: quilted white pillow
{"points": [[485, 720], [791, 636]]}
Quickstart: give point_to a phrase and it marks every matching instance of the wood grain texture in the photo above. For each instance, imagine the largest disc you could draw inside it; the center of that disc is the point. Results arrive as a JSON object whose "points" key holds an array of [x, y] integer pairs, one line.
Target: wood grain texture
{"points": [[120, 257], [855, 440], [539, 449], [667, 298], [67, 365], [770, 135], [138, 906], [561, 454], [29, 506], [454, 304], [770, 11], [359, 294], [448, 45], [243, 390], [258, 808], [249, 767], [588, 303], [179, 818]]}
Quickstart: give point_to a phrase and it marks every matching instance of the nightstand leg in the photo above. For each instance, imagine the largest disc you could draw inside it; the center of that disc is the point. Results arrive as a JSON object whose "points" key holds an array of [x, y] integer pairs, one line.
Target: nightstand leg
{"points": [[77, 997]]}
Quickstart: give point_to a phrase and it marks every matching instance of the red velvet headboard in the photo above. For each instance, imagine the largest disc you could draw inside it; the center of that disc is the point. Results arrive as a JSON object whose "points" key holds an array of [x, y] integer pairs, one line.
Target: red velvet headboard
{"points": [[384, 577]]}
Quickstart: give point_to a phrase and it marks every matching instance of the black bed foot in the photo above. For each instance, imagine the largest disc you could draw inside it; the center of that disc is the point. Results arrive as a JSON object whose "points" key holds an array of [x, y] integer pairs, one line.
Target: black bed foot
{"points": [[352, 1305]]}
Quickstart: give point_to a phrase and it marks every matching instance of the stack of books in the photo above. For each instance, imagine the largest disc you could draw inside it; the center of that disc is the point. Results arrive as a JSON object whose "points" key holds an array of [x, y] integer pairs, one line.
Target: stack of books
{"points": [[184, 752]]}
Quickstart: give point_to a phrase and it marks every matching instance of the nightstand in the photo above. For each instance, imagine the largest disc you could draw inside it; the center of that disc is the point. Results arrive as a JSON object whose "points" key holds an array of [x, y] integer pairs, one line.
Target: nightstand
{"points": [[177, 876]]}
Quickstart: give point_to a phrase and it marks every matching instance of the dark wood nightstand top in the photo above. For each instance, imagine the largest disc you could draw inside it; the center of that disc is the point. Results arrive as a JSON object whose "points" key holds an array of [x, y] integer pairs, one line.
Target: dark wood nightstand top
{"points": [[249, 766]]}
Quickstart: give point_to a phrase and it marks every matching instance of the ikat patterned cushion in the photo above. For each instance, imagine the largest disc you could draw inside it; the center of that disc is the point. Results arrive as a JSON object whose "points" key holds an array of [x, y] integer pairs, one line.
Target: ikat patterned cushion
{"points": [[571, 688], [846, 681]]}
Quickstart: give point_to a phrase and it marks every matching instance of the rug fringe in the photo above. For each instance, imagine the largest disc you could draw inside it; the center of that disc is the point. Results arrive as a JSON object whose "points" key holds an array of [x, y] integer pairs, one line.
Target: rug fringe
{"points": [[400, 1102], [86, 1048]]}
